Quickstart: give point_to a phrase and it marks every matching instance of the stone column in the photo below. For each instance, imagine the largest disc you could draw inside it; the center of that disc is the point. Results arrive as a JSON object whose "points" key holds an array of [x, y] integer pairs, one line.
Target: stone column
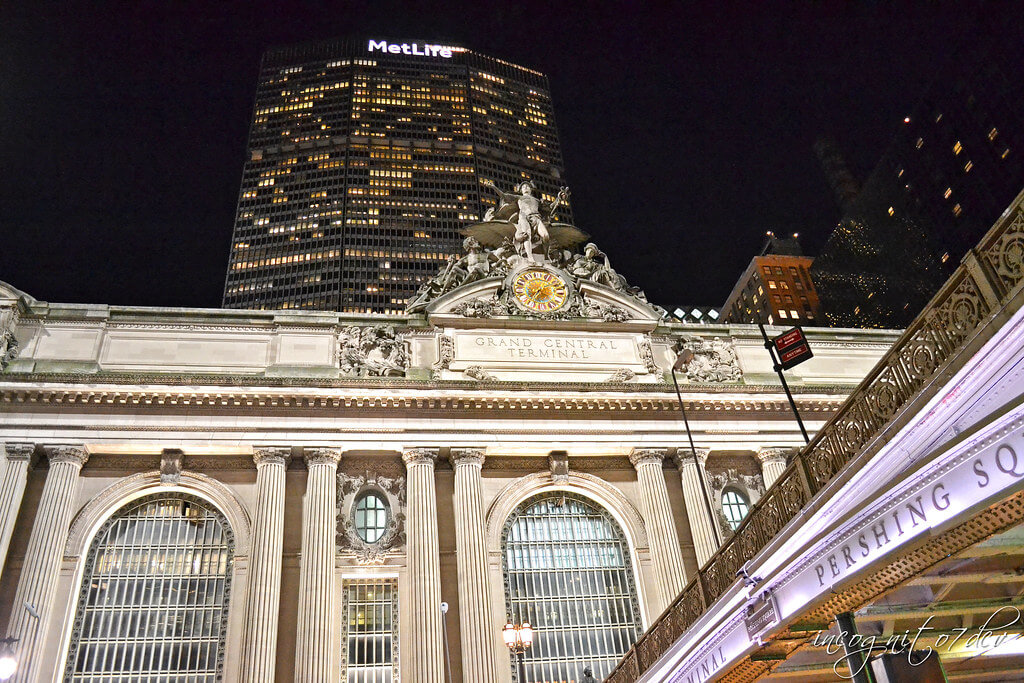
{"points": [[479, 632], [702, 526], [12, 488], [259, 640], [315, 646], [424, 568], [33, 599], [661, 531], [773, 464]]}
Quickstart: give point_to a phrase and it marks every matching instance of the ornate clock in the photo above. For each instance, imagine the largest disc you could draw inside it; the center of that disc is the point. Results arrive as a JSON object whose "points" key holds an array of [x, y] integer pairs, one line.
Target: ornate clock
{"points": [[539, 290]]}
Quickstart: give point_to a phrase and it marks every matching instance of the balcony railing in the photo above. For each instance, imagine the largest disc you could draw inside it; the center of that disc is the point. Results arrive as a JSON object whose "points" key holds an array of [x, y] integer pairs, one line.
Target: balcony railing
{"points": [[989, 275]]}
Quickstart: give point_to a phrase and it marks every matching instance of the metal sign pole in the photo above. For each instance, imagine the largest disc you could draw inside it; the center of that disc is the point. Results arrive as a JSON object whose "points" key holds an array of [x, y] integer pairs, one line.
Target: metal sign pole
{"points": [[778, 369]]}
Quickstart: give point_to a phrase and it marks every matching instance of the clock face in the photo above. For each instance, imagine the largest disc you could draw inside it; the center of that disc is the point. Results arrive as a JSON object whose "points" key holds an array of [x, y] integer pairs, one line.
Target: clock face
{"points": [[538, 290]]}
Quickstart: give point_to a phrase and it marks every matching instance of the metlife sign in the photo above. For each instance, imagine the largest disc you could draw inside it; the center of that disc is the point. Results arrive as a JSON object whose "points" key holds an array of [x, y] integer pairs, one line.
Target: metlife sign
{"points": [[424, 50]]}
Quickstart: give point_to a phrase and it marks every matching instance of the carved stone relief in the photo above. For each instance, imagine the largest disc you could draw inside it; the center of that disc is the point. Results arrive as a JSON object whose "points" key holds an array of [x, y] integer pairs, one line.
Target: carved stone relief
{"points": [[714, 360], [375, 351], [8, 343], [392, 490]]}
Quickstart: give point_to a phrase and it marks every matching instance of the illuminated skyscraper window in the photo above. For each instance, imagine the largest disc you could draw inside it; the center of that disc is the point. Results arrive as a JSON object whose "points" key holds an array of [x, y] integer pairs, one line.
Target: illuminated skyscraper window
{"points": [[568, 573], [364, 165]]}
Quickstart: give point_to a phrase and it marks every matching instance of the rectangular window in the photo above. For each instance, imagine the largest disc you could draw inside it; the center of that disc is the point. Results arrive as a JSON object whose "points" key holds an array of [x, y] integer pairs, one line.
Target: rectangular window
{"points": [[369, 630], [771, 284]]}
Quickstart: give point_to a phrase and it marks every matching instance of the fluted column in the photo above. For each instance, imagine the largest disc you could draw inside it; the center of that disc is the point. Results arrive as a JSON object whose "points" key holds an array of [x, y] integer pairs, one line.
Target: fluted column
{"points": [[702, 526], [773, 464], [33, 599], [424, 567], [12, 488], [314, 649], [661, 531], [479, 633], [259, 641]]}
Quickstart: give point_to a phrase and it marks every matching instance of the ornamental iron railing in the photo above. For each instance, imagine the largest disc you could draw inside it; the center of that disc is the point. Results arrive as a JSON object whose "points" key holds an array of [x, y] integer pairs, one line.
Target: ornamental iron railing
{"points": [[988, 277]]}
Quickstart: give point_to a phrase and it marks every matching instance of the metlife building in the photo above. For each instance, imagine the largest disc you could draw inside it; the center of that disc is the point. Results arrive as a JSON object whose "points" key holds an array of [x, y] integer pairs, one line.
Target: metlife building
{"points": [[365, 159]]}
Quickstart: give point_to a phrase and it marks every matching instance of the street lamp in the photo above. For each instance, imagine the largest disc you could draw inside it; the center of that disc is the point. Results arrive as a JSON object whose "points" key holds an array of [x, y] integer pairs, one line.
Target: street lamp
{"points": [[682, 360], [8, 663], [518, 638]]}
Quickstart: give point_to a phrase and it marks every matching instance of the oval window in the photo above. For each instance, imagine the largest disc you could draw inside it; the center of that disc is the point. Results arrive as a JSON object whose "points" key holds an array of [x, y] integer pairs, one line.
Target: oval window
{"points": [[735, 506], [371, 517]]}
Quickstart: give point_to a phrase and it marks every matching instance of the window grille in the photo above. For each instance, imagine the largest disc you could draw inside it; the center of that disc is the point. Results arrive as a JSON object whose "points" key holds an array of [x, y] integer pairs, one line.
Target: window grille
{"points": [[369, 638], [154, 600], [735, 507], [568, 573]]}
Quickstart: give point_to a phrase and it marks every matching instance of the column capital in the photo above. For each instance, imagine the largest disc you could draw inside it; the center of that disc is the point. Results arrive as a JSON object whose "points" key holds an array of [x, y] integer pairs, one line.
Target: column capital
{"points": [[271, 455], [684, 456], [644, 456], [466, 456], [419, 456], [766, 455], [76, 455], [321, 456], [19, 451]]}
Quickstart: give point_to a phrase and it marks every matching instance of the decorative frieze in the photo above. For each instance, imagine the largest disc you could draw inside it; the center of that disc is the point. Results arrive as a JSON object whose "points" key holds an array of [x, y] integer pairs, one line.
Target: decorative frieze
{"points": [[714, 359]]}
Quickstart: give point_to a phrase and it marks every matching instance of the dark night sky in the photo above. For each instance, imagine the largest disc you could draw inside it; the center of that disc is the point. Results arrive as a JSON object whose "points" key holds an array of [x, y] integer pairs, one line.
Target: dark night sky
{"points": [[686, 127]]}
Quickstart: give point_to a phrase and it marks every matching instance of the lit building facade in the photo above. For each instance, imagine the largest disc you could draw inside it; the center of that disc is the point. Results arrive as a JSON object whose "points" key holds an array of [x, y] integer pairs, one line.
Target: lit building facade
{"points": [[953, 166], [291, 495], [775, 289], [364, 161]]}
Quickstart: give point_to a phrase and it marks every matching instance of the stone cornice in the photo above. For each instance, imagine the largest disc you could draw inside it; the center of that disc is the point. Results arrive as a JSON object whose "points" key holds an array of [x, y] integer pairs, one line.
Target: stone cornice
{"points": [[567, 401]]}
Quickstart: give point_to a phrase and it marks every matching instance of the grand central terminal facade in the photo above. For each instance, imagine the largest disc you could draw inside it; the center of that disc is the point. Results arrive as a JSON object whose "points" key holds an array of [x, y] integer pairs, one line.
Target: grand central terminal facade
{"points": [[253, 495], [221, 495]]}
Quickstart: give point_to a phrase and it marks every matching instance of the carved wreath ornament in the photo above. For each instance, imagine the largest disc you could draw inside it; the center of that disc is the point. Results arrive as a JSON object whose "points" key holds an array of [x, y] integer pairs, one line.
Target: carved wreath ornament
{"points": [[392, 491]]}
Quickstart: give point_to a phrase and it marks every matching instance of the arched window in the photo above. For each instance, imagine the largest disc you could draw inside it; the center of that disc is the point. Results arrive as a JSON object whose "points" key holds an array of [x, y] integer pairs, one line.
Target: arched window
{"points": [[371, 517], [735, 506], [568, 573], [154, 598]]}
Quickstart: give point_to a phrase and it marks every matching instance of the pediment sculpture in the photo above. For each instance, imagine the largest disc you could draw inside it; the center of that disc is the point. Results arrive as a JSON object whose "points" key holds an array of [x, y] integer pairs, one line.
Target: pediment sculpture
{"points": [[520, 261]]}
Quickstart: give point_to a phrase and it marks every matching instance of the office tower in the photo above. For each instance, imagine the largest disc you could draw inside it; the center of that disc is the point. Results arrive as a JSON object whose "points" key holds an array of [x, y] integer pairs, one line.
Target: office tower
{"points": [[775, 288], [956, 162], [365, 160]]}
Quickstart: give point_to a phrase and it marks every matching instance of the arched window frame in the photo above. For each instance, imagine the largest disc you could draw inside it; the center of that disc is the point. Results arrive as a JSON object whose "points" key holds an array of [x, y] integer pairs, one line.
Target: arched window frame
{"points": [[92, 547], [87, 522], [628, 551]]}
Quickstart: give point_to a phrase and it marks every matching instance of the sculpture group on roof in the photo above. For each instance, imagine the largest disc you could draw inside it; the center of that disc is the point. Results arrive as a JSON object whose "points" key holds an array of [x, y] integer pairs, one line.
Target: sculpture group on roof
{"points": [[523, 230]]}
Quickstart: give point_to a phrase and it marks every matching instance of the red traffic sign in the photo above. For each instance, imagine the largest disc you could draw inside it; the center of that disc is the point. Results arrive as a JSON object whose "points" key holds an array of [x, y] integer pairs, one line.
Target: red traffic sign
{"points": [[792, 348]]}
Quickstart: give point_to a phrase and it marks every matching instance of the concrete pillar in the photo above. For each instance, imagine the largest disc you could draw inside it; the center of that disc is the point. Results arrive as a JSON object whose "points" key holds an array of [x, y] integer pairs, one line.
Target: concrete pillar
{"points": [[702, 526], [479, 632], [262, 602], [33, 599], [773, 464], [315, 646], [424, 568], [661, 531], [12, 487]]}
